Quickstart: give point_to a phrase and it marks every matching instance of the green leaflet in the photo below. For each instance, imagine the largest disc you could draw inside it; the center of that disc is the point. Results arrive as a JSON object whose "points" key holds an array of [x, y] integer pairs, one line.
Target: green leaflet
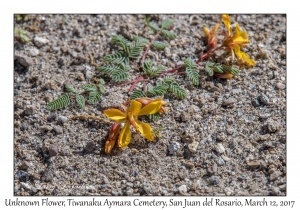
{"points": [[153, 27], [166, 24], [80, 101], [89, 87], [168, 34], [59, 103], [152, 71], [71, 89], [141, 40], [159, 45]]}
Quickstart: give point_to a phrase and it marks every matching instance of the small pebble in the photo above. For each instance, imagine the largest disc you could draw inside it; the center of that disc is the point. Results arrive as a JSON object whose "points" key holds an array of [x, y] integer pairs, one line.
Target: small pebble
{"points": [[90, 147], [220, 148], [214, 180], [193, 146], [25, 186], [229, 102], [182, 189], [53, 150], [228, 191], [280, 85], [173, 147], [39, 41], [22, 176], [58, 129], [62, 119], [23, 59], [255, 102], [263, 99], [33, 52]]}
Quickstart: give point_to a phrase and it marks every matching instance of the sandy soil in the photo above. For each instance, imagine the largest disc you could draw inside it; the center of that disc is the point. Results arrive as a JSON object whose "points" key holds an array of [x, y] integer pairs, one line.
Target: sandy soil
{"points": [[228, 137]]}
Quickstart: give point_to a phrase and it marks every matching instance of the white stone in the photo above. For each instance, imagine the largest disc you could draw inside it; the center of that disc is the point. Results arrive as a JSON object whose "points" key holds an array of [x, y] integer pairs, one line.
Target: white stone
{"points": [[39, 41], [182, 189], [219, 148], [34, 52], [193, 146]]}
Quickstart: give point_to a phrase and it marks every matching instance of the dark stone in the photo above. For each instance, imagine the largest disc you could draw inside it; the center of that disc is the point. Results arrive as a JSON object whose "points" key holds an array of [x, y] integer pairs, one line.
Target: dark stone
{"points": [[22, 176], [255, 102], [90, 147], [53, 150], [263, 99], [214, 180]]}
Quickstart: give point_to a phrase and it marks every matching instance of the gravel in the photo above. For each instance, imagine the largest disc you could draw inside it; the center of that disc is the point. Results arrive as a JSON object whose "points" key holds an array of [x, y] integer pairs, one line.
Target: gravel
{"points": [[227, 135]]}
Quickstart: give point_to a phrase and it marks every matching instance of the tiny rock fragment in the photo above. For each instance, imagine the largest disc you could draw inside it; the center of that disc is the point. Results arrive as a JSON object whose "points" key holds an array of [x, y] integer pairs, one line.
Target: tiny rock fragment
{"points": [[279, 85], [182, 189], [229, 102], [53, 150], [263, 99], [272, 126], [29, 110], [39, 41], [23, 59], [173, 147], [62, 119], [58, 129], [45, 128], [275, 175], [255, 102], [193, 146], [34, 52], [219, 148], [90, 147], [185, 116]]}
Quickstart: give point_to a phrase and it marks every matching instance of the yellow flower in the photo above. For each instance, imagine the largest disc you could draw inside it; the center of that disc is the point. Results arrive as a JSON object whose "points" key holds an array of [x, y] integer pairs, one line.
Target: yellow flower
{"points": [[131, 118], [145, 101], [235, 41]]}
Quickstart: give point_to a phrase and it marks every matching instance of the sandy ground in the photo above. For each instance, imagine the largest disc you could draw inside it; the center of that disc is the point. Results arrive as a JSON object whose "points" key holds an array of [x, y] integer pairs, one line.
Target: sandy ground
{"points": [[228, 137]]}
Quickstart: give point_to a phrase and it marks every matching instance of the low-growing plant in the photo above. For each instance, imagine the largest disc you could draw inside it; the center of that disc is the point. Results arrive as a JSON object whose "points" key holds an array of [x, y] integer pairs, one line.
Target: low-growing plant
{"points": [[158, 82], [95, 93]]}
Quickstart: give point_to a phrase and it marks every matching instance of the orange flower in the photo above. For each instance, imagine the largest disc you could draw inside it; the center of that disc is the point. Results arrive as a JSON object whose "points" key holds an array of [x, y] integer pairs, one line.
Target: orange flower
{"points": [[235, 41], [211, 35]]}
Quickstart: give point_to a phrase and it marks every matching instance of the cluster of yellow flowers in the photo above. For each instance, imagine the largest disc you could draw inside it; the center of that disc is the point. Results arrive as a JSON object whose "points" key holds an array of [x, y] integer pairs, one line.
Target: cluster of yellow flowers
{"points": [[233, 41], [129, 116]]}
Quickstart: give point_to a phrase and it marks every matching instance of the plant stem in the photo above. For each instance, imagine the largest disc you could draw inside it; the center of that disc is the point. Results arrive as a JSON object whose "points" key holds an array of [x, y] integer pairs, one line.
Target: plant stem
{"points": [[149, 45], [206, 55], [169, 71]]}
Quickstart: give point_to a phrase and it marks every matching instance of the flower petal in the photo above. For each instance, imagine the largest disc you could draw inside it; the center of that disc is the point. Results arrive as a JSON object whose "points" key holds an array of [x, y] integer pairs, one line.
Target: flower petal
{"points": [[124, 137], [243, 55], [115, 114], [135, 107], [226, 21], [145, 129], [206, 31], [240, 37], [151, 108]]}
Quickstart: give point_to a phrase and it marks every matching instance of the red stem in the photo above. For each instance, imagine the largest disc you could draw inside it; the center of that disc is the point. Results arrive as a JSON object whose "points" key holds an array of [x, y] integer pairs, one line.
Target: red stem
{"points": [[149, 45], [140, 78], [169, 71], [206, 55]]}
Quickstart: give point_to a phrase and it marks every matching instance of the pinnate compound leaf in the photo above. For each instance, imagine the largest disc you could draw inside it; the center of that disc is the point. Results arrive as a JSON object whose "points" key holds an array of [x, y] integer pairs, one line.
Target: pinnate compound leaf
{"points": [[177, 90], [59, 103], [192, 75]]}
